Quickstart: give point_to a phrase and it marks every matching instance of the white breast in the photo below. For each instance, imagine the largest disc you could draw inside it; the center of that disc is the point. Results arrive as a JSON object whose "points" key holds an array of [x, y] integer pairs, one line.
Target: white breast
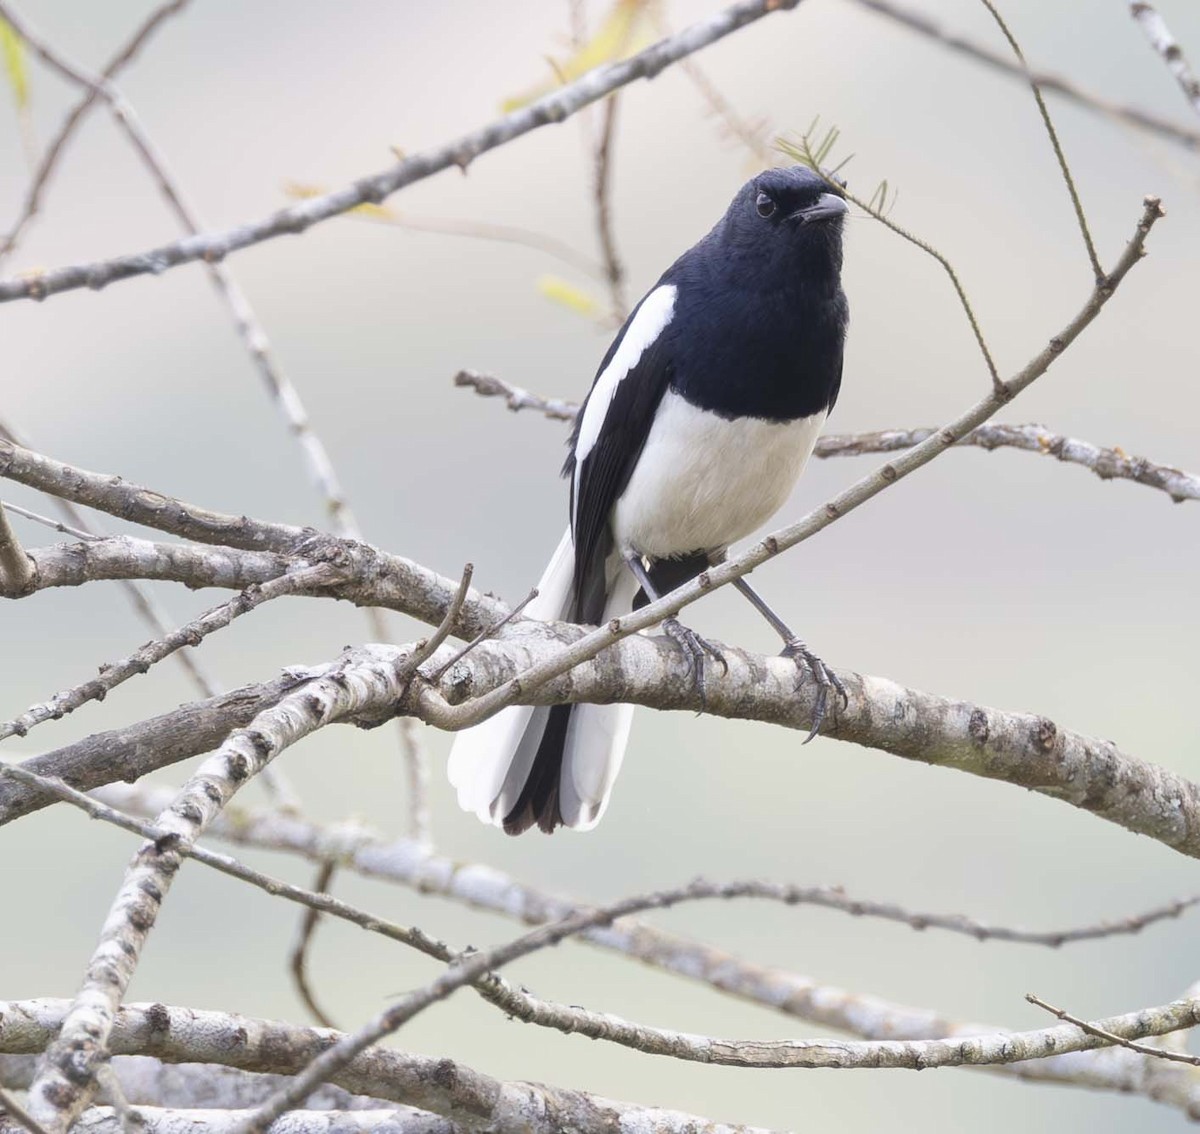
{"points": [[704, 481]]}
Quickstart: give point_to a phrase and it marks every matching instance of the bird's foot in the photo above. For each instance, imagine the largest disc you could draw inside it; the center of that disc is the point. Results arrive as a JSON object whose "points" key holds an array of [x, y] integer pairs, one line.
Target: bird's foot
{"points": [[826, 679], [694, 650]]}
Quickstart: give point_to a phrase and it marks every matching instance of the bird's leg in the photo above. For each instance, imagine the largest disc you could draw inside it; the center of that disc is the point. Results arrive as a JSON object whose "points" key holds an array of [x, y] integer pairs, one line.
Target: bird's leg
{"points": [[693, 645], [804, 658]]}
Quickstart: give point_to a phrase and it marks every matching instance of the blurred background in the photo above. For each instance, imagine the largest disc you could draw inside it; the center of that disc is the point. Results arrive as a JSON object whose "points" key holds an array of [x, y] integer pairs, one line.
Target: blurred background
{"points": [[1003, 578]]}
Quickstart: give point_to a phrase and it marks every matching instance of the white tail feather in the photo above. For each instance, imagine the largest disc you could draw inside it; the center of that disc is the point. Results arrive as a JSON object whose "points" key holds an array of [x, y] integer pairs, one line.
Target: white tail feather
{"points": [[596, 737], [490, 763]]}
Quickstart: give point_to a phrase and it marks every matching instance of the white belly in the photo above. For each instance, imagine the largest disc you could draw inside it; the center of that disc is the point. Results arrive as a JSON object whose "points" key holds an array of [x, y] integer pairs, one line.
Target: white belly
{"points": [[704, 481]]}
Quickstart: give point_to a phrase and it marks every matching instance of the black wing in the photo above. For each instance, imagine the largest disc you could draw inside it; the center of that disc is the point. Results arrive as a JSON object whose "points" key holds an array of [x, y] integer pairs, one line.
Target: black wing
{"points": [[598, 480]]}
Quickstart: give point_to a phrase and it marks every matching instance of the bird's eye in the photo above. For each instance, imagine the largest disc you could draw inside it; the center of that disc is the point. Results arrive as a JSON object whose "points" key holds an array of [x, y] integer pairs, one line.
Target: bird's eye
{"points": [[764, 205]]}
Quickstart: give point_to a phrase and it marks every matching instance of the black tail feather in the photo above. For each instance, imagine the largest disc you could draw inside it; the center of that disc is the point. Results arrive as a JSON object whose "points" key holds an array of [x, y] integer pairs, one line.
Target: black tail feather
{"points": [[538, 801]]}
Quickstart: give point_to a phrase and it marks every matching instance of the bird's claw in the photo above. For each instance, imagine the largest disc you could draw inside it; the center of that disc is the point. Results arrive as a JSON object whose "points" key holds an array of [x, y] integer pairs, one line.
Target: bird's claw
{"points": [[694, 648], [825, 678]]}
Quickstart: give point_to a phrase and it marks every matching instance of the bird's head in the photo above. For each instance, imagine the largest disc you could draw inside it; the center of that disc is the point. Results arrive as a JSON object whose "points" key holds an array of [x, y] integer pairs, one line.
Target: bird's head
{"points": [[790, 218]]}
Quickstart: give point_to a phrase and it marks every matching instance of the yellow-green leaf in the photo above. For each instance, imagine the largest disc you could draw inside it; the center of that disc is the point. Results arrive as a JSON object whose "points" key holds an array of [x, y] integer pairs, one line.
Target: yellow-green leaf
{"points": [[557, 290], [626, 29], [13, 50]]}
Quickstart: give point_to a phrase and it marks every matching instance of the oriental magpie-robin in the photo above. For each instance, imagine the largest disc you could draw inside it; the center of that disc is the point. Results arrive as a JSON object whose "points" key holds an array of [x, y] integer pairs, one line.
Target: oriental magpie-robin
{"points": [[700, 419]]}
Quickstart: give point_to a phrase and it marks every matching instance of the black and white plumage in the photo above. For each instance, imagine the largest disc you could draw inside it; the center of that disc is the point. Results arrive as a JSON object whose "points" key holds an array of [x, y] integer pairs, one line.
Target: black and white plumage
{"points": [[701, 418]]}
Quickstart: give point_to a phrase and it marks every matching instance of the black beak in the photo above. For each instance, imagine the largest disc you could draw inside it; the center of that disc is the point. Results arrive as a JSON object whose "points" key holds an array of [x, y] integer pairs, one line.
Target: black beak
{"points": [[827, 205]]}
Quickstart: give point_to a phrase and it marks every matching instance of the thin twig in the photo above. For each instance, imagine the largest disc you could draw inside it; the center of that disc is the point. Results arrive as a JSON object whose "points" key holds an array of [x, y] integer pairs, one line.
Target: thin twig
{"points": [[489, 386], [806, 152], [55, 149], [456, 226], [1101, 1033], [1073, 192], [553, 108], [1134, 116], [602, 165], [1165, 43], [129, 1119], [46, 521], [482, 636], [298, 960]]}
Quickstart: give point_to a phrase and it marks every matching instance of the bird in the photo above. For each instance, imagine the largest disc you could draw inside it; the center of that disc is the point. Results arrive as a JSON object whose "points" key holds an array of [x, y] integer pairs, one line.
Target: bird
{"points": [[699, 421]]}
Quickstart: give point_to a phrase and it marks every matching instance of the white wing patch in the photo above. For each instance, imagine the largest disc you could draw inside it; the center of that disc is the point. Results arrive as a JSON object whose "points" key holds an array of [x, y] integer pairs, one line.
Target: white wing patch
{"points": [[651, 318]]}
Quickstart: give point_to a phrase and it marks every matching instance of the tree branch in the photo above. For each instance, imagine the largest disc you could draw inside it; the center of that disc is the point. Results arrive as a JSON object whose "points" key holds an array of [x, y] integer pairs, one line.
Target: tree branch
{"points": [[442, 1086]]}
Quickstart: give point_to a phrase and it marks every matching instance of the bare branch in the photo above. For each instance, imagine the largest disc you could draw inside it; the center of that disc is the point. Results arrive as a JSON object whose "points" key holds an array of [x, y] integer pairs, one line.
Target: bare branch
{"points": [[489, 386], [130, 753], [46, 521], [442, 1086], [190, 634], [147, 1081], [298, 960], [159, 1120], [1107, 464], [614, 273], [296, 218], [1162, 40], [1133, 116]]}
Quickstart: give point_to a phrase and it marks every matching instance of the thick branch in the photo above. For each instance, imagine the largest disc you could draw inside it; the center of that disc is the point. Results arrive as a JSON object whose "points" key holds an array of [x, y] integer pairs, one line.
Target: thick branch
{"points": [[131, 752], [297, 218], [158, 1120], [442, 1086]]}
